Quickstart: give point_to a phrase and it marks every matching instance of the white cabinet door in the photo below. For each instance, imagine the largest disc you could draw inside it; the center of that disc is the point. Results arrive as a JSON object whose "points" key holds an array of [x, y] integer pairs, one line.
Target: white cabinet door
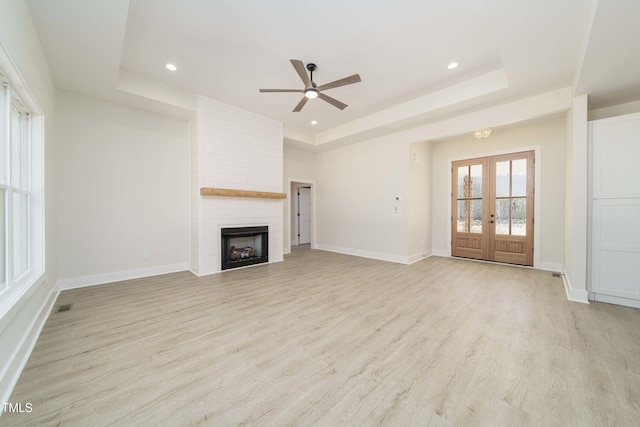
{"points": [[615, 208]]}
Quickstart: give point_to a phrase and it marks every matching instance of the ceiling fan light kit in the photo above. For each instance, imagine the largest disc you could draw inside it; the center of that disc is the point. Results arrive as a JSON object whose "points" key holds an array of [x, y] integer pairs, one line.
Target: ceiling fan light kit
{"points": [[311, 93], [311, 89]]}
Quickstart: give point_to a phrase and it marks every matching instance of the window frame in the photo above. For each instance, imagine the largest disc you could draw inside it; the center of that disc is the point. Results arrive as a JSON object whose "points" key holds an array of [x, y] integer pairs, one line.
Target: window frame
{"points": [[23, 187], [15, 95]]}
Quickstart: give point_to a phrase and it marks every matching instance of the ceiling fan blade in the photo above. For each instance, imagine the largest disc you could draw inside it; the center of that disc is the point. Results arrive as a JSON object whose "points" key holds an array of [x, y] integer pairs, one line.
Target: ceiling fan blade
{"points": [[300, 104], [332, 101], [342, 82], [302, 72], [281, 90]]}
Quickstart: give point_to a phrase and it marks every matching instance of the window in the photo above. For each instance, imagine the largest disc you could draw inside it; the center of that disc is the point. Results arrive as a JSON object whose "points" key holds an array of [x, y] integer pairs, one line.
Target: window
{"points": [[17, 161]]}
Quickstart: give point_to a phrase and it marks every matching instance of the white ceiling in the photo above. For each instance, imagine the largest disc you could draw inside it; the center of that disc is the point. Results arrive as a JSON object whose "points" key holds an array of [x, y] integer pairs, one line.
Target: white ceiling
{"points": [[228, 49]]}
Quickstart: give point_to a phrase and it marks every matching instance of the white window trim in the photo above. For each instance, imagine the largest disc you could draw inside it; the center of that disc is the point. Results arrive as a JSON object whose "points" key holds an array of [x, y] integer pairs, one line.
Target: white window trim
{"points": [[36, 272]]}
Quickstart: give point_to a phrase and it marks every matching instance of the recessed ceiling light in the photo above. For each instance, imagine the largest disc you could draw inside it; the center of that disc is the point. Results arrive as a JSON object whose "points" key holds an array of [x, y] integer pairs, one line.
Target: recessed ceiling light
{"points": [[170, 67], [453, 65], [314, 122]]}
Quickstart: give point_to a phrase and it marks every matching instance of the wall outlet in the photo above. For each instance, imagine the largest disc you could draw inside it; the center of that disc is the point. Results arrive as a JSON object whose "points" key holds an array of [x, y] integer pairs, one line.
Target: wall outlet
{"points": [[146, 255]]}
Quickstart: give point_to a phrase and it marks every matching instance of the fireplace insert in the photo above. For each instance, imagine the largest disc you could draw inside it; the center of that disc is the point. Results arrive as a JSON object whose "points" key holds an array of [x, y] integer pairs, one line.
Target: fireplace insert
{"points": [[242, 246]]}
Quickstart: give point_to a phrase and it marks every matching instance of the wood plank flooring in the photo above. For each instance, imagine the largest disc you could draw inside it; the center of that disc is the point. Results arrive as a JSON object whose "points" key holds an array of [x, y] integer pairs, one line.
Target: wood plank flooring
{"points": [[327, 339]]}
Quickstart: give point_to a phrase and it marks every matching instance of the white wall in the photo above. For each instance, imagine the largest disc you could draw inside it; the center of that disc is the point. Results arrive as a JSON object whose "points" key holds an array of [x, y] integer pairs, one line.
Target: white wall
{"points": [[122, 179], [21, 324], [356, 195], [357, 184], [549, 135], [576, 202], [298, 165], [420, 206], [614, 110]]}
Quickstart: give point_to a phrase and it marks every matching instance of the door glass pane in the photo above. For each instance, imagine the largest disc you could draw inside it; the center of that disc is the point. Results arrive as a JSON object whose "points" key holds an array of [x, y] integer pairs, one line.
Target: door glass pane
{"points": [[20, 228], [519, 178], [463, 216], [476, 181], [519, 216], [502, 179], [463, 182], [476, 216], [502, 216]]}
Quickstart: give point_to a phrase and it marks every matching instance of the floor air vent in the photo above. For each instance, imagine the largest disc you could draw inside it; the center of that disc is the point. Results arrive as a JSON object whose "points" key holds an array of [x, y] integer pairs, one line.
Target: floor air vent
{"points": [[556, 274], [64, 307]]}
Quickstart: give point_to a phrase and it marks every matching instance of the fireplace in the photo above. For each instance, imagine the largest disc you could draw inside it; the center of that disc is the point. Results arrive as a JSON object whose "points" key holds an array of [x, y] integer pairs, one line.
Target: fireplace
{"points": [[242, 246]]}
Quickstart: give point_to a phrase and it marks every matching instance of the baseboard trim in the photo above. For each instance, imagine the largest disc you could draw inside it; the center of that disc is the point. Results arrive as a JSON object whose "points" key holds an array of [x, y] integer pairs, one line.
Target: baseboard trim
{"points": [[548, 266], [575, 295], [438, 252], [610, 299], [23, 350], [118, 276], [365, 254], [420, 256]]}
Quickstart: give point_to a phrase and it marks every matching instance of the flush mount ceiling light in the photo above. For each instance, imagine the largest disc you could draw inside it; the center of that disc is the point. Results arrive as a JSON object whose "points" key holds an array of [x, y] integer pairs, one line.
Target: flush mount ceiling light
{"points": [[170, 67], [453, 65], [314, 122], [482, 133]]}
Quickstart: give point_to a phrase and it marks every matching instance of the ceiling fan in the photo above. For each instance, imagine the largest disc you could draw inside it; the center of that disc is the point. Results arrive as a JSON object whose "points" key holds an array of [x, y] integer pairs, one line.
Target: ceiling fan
{"points": [[312, 90]]}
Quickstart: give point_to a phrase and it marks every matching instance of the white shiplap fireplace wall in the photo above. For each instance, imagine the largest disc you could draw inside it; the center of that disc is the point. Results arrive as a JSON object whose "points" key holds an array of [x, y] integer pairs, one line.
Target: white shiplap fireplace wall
{"points": [[235, 149]]}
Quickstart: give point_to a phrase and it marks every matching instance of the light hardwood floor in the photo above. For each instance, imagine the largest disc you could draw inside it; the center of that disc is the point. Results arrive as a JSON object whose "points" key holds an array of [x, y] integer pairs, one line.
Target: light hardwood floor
{"points": [[328, 339]]}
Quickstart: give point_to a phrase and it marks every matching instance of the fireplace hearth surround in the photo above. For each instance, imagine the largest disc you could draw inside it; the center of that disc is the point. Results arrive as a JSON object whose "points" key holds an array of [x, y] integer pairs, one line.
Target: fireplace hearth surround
{"points": [[243, 246]]}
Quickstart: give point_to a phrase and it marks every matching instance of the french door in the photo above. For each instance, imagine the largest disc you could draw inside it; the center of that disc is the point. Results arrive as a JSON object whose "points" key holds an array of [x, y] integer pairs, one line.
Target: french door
{"points": [[492, 208]]}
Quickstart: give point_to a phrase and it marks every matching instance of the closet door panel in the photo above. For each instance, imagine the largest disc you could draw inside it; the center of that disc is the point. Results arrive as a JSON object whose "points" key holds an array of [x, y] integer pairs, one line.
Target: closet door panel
{"points": [[616, 248], [615, 208], [616, 152]]}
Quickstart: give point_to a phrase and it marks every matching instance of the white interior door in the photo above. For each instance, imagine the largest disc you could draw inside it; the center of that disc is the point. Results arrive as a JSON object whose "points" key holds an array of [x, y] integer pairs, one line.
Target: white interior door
{"points": [[615, 208], [304, 215]]}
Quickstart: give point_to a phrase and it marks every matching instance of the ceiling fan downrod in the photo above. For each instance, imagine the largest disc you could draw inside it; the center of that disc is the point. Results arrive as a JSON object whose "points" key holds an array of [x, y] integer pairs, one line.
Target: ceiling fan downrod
{"points": [[311, 92], [312, 67]]}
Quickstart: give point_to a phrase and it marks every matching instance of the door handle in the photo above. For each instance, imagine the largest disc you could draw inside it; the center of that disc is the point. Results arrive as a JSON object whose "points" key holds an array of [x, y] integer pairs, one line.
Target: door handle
{"points": [[491, 222]]}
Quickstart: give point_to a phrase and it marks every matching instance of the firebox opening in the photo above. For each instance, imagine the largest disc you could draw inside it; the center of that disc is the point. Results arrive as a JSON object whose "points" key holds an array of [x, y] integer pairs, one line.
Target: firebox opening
{"points": [[242, 246]]}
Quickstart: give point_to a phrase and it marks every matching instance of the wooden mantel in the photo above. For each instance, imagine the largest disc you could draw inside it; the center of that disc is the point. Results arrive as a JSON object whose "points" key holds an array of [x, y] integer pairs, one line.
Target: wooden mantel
{"points": [[227, 192]]}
